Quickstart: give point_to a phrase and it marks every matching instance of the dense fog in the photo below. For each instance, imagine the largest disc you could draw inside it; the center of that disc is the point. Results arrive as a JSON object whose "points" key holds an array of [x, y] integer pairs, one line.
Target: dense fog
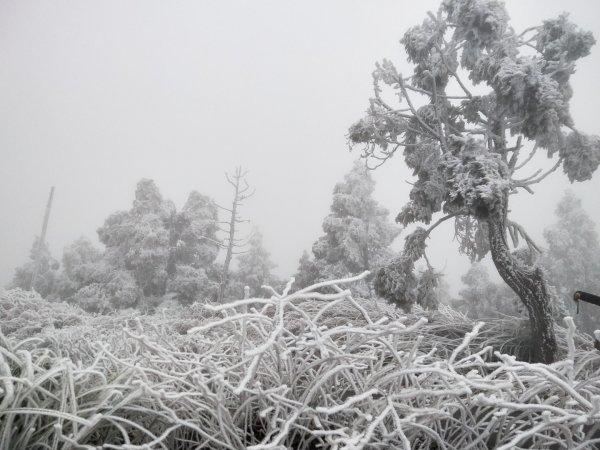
{"points": [[98, 95], [309, 225]]}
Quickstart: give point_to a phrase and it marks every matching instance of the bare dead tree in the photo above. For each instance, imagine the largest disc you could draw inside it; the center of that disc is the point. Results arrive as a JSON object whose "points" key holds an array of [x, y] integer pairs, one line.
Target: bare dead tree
{"points": [[242, 191]]}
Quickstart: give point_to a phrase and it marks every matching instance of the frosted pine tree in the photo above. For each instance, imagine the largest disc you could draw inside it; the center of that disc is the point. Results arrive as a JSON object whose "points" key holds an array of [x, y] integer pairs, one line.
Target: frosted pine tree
{"points": [[194, 248], [193, 232], [92, 281], [468, 148], [307, 272], [47, 276], [254, 269], [481, 298], [138, 240], [80, 267], [358, 233], [573, 259]]}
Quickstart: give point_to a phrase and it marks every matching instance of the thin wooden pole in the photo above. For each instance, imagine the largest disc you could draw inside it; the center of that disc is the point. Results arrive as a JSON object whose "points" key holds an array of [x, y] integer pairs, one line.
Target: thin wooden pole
{"points": [[38, 255]]}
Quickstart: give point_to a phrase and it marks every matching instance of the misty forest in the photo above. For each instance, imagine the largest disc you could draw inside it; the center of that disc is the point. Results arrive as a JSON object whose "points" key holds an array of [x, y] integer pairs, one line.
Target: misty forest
{"points": [[172, 328]]}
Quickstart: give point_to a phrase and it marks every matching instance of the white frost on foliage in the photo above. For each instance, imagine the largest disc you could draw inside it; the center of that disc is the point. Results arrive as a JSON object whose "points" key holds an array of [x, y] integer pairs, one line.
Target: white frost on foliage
{"points": [[311, 369]]}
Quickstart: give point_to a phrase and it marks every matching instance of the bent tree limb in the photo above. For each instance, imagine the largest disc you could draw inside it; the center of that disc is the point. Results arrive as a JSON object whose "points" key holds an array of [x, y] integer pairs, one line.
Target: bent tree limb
{"points": [[529, 284]]}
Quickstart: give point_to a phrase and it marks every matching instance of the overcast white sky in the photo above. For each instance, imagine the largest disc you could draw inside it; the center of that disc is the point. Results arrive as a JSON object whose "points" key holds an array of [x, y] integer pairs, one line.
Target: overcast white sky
{"points": [[95, 95]]}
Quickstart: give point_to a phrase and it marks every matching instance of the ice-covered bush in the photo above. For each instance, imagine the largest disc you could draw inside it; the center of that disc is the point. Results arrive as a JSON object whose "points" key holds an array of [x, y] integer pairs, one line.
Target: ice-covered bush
{"points": [[26, 313], [303, 370]]}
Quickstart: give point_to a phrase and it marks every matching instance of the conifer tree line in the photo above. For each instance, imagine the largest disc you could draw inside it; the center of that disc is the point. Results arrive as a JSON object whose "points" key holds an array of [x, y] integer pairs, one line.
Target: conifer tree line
{"points": [[151, 252]]}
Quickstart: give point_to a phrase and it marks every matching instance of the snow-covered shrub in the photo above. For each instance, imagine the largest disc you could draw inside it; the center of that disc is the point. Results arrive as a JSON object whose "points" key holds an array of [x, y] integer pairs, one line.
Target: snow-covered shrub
{"points": [[114, 289], [190, 284], [25, 313], [303, 370]]}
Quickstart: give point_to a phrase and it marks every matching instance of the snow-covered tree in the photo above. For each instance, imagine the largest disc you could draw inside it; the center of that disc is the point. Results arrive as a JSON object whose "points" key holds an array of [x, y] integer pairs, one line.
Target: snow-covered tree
{"points": [[307, 273], [194, 247], [358, 233], [465, 146], [482, 298], [80, 266], [162, 249], [193, 232], [254, 268], [94, 282], [47, 276], [138, 240], [573, 259]]}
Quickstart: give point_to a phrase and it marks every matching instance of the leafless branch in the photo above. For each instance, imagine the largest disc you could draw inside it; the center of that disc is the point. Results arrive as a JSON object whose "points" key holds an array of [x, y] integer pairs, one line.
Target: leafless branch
{"points": [[442, 220], [524, 186], [527, 30], [541, 177], [430, 94], [438, 116], [223, 208], [530, 177], [529, 158], [219, 243], [515, 156], [414, 111], [515, 230], [449, 69]]}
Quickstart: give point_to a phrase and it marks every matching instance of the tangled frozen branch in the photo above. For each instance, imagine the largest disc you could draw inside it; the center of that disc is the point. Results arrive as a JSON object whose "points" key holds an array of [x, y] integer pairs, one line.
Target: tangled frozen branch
{"points": [[317, 368]]}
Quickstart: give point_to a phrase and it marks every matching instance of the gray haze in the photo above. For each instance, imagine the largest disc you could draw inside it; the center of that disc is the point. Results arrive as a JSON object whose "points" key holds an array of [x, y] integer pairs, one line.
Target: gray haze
{"points": [[95, 95]]}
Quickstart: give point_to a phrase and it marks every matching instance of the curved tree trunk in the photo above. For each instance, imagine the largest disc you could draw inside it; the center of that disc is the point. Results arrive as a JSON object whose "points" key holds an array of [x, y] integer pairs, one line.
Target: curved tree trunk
{"points": [[529, 284]]}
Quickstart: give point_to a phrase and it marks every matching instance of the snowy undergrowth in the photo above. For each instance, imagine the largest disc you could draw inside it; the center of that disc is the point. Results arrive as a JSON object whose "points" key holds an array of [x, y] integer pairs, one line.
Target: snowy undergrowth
{"points": [[302, 370]]}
